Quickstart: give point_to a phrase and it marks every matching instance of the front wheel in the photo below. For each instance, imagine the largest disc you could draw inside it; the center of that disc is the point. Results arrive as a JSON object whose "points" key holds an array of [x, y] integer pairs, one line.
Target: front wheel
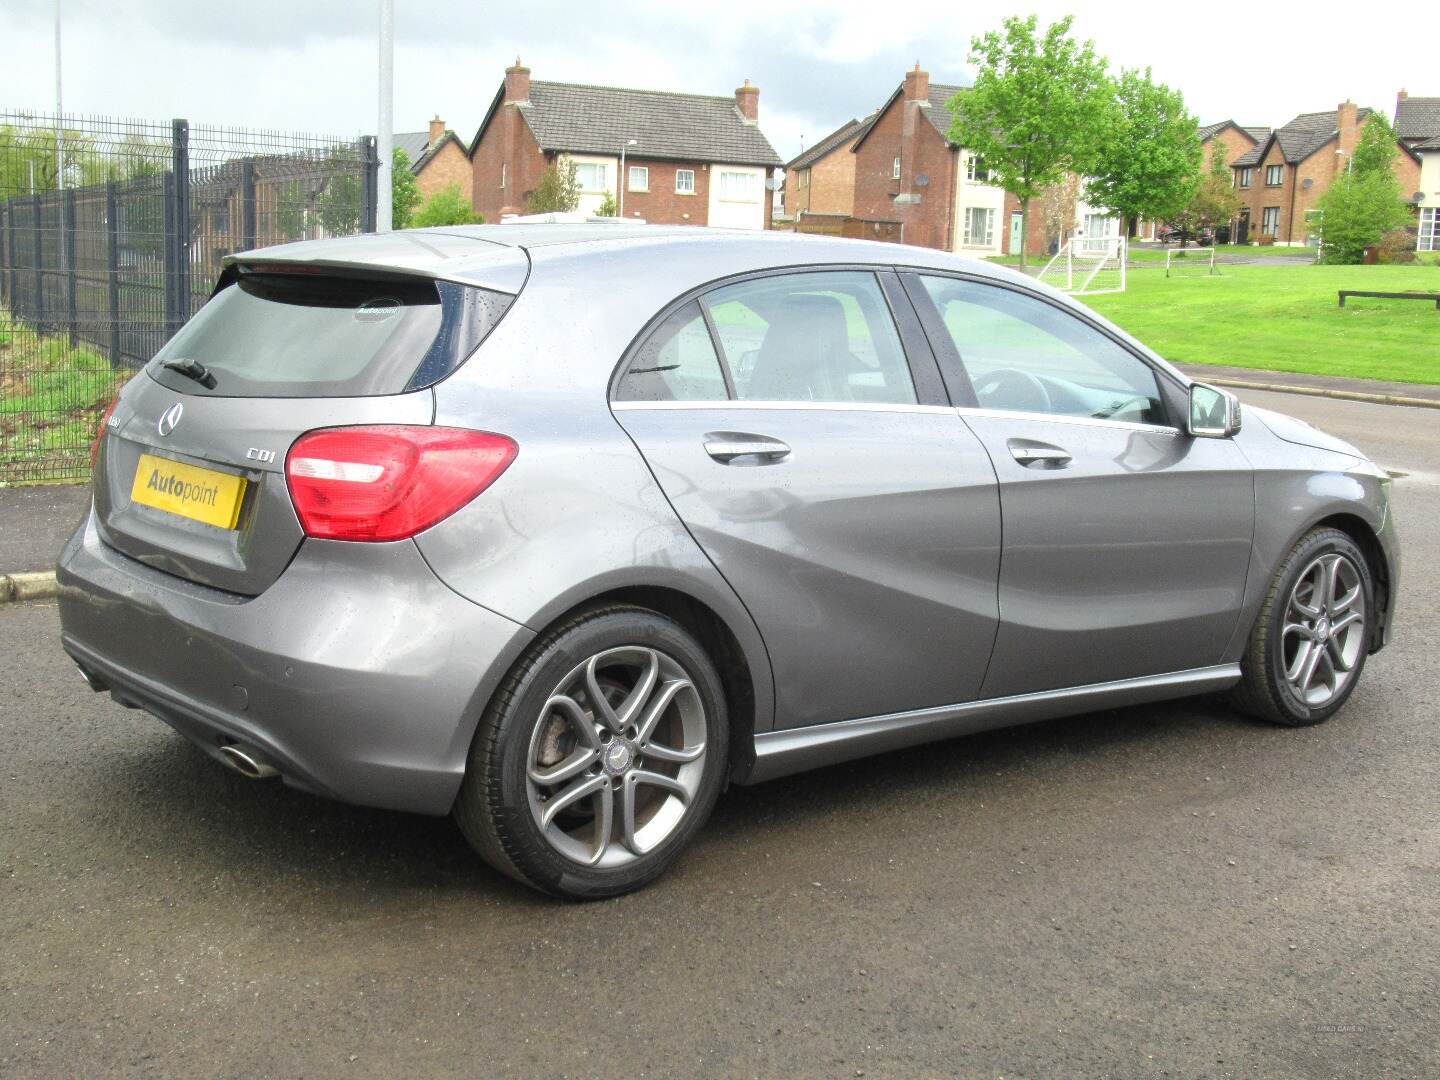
{"points": [[1310, 640], [600, 756]]}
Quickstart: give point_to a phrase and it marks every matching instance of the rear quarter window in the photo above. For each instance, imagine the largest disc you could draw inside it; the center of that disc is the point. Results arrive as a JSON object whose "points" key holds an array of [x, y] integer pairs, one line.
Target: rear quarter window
{"points": [[306, 335]]}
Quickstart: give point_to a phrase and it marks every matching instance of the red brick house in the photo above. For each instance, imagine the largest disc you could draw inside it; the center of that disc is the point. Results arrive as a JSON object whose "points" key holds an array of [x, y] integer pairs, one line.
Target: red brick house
{"points": [[821, 180], [1417, 124], [689, 158], [1282, 178], [438, 158], [907, 170]]}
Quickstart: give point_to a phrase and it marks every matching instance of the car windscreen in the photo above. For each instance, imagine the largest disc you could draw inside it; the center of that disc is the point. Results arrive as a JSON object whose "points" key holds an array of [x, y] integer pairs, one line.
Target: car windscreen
{"points": [[308, 335]]}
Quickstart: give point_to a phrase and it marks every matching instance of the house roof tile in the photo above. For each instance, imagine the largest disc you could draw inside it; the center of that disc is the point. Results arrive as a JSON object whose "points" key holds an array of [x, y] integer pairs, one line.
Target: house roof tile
{"points": [[1298, 139], [1417, 119], [834, 140], [576, 118]]}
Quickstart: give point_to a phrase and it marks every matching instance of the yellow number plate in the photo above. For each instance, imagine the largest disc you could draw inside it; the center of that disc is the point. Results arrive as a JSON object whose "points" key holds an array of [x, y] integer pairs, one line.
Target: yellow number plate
{"points": [[199, 494]]}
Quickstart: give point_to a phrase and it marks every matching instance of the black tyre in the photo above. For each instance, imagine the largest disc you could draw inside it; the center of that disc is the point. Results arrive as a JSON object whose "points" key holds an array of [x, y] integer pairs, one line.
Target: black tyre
{"points": [[1313, 633], [600, 756]]}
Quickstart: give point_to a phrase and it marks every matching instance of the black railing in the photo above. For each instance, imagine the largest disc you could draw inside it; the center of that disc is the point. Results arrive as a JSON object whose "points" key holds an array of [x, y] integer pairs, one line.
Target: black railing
{"points": [[100, 267]]}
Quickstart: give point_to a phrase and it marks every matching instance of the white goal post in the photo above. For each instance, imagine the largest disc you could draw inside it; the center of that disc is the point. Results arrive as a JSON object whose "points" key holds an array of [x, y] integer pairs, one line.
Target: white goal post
{"points": [[1088, 265]]}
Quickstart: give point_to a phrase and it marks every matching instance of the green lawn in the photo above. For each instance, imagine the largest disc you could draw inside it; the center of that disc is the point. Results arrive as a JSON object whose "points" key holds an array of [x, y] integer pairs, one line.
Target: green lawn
{"points": [[1285, 318], [1144, 255]]}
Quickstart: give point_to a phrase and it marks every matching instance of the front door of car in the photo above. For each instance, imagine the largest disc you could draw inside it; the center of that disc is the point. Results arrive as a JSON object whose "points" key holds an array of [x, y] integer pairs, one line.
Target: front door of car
{"points": [[1127, 542], [827, 478]]}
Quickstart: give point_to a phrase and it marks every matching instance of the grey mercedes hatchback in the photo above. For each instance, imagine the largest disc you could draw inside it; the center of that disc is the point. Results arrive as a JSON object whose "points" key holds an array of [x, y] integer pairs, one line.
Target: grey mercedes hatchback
{"points": [[560, 528]]}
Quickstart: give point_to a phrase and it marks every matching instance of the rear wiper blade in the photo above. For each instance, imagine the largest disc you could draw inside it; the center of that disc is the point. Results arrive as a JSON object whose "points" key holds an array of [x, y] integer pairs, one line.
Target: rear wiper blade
{"points": [[192, 369]]}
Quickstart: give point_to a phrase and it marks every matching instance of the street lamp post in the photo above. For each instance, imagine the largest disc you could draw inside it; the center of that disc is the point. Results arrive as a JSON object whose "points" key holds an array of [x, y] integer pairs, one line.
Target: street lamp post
{"points": [[385, 133], [623, 180]]}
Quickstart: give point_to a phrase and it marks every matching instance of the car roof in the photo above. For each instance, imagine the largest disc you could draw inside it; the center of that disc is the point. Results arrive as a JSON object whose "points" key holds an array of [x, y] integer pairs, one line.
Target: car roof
{"points": [[498, 256]]}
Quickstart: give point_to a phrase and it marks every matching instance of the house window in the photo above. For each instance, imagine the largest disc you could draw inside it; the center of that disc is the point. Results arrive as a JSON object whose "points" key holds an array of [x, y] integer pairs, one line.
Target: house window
{"points": [[1246, 175], [976, 170], [1274, 175], [895, 170], [639, 178], [685, 181], [1429, 229], [502, 174], [1270, 221], [591, 176], [804, 178], [979, 227], [737, 186]]}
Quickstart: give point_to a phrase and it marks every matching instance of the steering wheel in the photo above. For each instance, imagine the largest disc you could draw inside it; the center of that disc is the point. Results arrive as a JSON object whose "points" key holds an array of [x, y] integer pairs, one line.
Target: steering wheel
{"points": [[1011, 388]]}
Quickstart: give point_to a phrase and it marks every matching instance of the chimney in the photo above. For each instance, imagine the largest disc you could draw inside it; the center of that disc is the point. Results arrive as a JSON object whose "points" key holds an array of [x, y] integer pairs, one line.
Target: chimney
{"points": [[437, 131], [517, 83], [1347, 126], [917, 84], [747, 100]]}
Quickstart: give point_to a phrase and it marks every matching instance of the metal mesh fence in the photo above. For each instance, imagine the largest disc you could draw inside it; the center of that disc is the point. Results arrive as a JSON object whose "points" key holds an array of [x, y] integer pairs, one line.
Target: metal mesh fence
{"points": [[112, 234]]}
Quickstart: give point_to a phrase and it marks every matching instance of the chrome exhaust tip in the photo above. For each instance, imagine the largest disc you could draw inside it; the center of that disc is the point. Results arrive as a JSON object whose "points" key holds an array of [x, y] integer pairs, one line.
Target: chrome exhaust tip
{"points": [[247, 762]]}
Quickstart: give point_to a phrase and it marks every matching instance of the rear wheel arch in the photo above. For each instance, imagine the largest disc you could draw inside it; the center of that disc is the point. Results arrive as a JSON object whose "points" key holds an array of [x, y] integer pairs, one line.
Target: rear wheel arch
{"points": [[720, 642]]}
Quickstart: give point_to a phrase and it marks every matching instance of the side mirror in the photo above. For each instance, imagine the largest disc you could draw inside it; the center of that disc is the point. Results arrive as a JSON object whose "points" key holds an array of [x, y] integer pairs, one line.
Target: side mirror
{"points": [[1214, 413]]}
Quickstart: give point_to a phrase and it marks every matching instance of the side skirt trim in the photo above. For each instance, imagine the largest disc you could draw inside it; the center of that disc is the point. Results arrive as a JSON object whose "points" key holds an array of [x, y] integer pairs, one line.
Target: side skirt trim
{"points": [[780, 753]]}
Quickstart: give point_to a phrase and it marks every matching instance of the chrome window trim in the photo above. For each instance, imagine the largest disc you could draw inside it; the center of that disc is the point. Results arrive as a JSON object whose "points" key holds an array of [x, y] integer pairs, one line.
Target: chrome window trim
{"points": [[814, 406], [1064, 418]]}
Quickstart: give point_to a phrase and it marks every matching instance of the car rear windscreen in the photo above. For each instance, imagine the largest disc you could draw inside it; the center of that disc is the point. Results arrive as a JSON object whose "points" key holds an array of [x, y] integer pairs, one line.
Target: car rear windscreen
{"points": [[308, 335]]}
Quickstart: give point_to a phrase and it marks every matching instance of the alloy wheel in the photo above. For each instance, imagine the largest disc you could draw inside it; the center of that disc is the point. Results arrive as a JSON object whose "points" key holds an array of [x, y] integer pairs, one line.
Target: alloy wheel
{"points": [[1323, 637], [616, 757]]}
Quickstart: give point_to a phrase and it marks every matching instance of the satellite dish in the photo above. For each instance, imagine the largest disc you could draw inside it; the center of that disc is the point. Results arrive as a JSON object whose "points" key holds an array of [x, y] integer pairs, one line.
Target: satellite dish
{"points": [[922, 179], [1419, 196], [773, 184], [1307, 183]]}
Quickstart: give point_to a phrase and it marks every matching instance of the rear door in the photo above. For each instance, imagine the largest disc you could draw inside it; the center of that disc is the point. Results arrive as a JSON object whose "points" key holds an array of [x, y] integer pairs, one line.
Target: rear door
{"points": [[190, 478], [1127, 542], [830, 482]]}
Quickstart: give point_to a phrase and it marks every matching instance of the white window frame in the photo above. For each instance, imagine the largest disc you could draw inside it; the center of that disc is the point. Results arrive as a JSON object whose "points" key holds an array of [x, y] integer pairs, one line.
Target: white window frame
{"points": [[1428, 236], [687, 190], [503, 174], [601, 170], [630, 178], [973, 172], [749, 186], [987, 238], [1277, 171], [1270, 213], [1247, 174], [895, 170]]}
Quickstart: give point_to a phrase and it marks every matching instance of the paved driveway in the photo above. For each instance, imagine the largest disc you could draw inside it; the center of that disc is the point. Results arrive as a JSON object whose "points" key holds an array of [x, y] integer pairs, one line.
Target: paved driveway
{"points": [[1159, 891]]}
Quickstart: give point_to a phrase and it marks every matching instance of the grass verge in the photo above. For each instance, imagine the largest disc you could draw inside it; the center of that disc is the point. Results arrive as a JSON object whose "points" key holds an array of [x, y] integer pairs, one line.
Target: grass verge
{"points": [[1287, 318]]}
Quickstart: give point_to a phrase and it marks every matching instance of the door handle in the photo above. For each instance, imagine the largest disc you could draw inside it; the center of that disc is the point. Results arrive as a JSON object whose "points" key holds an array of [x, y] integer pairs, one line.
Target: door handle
{"points": [[1049, 457], [726, 446]]}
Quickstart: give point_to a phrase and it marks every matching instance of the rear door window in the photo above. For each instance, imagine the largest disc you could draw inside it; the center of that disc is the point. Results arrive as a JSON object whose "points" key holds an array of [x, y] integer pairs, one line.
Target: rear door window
{"points": [[306, 335]]}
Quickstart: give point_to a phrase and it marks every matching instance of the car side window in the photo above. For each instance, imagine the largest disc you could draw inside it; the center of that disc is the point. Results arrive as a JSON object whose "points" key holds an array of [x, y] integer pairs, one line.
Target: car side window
{"points": [[825, 336], [1024, 355], [677, 362]]}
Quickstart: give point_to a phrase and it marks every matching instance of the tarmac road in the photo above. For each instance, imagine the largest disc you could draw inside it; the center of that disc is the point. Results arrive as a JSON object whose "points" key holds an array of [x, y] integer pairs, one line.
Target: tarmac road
{"points": [[1160, 891]]}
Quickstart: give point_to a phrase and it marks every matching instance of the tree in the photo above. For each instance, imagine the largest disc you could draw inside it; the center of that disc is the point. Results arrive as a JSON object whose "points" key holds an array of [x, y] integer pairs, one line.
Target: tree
{"points": [[1215, 201], [1149, 163], [404, 190], [558, 189], [1365, 202], [1039, 107], [446, 207]]}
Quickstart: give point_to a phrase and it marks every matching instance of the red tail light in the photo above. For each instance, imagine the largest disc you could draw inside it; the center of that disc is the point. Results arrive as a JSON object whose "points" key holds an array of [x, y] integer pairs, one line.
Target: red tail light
{"points": [[100, 434], [389, 483]]}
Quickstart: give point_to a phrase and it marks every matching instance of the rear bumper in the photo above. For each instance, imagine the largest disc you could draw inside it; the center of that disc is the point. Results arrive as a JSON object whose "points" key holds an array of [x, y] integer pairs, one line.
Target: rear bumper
{"points": [[358, 674]]}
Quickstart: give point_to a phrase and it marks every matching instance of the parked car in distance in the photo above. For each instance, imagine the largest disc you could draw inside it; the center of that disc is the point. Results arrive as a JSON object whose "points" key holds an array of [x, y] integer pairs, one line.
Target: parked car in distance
{"points": [[1178, 234], [560, 528]]}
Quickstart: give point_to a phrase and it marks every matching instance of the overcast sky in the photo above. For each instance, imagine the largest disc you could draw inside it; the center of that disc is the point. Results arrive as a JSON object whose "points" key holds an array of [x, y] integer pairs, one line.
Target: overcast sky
{"points": [[310, 66]]}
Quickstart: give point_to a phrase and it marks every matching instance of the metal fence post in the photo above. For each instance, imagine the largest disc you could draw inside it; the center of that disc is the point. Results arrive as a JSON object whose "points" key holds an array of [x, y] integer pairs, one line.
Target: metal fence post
{"points": [[39, 313], [72, 273], [248, 226], [112, 268], [180, 227], [369, 184], [7, 258]]}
